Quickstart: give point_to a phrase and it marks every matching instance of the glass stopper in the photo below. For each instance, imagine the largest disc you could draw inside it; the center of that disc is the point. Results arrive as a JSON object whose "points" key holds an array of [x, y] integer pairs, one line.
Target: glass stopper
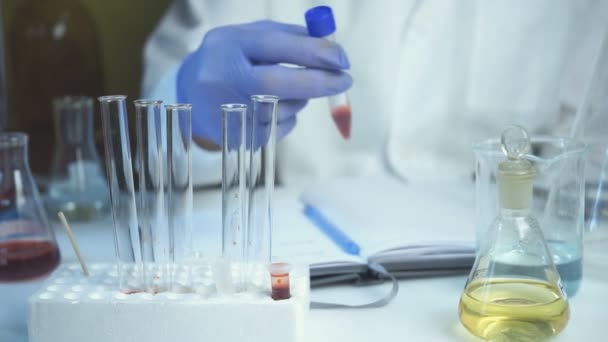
{"points": [[515, 142]]}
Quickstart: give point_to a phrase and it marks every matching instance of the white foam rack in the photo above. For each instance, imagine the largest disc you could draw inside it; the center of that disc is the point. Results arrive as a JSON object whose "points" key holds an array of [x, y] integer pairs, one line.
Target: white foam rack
{"points": [[73, 308]]}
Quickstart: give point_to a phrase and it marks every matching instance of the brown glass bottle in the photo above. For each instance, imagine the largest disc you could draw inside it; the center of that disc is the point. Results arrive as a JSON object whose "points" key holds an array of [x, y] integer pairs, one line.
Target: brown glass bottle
{"points": [[54, 51]]}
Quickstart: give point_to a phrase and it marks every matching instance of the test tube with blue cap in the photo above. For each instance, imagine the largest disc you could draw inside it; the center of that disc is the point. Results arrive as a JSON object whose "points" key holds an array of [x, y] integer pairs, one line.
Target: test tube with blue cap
{"points": [[321, 24]]}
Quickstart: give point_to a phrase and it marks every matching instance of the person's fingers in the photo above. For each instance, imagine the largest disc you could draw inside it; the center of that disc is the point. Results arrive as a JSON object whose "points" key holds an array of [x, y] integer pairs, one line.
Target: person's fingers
{"points": [[262, 132], [296, 83], [285, 127], [285, 110], [289, 108], [278, 26], [283, 46]]}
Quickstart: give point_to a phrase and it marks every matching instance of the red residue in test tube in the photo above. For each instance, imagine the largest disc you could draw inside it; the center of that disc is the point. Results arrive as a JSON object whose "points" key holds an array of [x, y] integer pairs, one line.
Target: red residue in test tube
{"points": [[341, 115], [131, 291]]}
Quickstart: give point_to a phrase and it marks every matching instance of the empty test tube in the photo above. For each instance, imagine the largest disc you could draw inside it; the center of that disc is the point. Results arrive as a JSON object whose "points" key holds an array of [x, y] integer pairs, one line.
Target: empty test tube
{"points": [[261, 184], [127, 238], [151, 210], [179, 194], [320, 23], [233, 191]]}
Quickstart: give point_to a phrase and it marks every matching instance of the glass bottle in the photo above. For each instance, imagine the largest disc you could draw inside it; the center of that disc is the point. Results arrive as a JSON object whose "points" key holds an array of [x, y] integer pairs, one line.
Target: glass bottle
{"points": [[514, 292], [77, 187], [558, 202], [27, 245], [54, 51]]}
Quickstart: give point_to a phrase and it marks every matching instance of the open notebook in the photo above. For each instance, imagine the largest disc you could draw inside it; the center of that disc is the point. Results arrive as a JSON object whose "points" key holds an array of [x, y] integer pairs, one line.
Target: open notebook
{"points": [[412, 230]]}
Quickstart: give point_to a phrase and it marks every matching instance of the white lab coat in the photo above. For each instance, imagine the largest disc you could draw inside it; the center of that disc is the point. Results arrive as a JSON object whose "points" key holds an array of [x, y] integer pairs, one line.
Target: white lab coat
{"points": [[430, 77]]}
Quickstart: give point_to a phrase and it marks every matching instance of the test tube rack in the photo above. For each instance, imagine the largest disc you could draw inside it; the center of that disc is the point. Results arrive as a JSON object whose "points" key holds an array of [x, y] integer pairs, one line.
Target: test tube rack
{"points": [[71, 307]]}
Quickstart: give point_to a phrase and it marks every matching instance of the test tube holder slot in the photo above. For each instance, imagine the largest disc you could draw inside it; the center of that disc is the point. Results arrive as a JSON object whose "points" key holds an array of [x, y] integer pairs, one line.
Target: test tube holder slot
{"points": [[73, 308]]}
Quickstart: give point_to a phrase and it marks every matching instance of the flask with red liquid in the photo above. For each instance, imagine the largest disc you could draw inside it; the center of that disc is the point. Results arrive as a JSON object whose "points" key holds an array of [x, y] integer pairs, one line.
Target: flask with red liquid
{"points": [[320, 23], [28, 249]]}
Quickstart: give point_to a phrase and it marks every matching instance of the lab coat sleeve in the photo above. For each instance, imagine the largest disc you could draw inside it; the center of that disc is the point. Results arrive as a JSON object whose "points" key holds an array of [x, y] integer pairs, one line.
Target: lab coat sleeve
{"points": [[179, 32]]}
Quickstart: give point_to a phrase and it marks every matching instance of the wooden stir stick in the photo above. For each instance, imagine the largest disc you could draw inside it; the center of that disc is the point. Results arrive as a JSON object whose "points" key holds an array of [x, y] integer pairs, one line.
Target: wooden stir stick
{"points": [[66, 226]]}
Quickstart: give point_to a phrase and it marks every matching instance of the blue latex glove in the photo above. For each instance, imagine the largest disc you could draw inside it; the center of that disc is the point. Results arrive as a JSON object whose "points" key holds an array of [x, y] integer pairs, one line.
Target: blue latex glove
{"points": [[237, 61]]}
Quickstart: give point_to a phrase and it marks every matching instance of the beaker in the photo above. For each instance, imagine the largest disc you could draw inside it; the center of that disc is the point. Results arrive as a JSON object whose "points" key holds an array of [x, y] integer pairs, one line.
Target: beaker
{"points": [[596, 187], [596, 210], [558, 200], [27, 244], [596, 192], [78, 187], [263, 132], [591, 128]]}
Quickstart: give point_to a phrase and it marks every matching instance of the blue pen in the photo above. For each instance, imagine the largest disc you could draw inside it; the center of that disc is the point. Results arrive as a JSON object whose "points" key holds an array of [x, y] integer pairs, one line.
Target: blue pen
{"points": [[334, 233]]}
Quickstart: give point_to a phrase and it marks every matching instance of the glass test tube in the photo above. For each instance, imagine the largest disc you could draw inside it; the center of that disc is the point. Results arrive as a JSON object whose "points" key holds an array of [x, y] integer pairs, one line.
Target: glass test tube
{"points": [[261, 186], [122, 192], [234, 198], [321, 24], [179, 194], [151, 210]]}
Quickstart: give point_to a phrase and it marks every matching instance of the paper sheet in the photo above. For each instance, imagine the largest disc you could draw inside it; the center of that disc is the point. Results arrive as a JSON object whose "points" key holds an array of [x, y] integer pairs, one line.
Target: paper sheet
{"points": [[294, 238], [378, 213], [381, 212]]}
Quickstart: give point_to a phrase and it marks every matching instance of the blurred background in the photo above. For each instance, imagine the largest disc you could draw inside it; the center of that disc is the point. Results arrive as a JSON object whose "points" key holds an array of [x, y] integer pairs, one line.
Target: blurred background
{"points": [[69, 47]]}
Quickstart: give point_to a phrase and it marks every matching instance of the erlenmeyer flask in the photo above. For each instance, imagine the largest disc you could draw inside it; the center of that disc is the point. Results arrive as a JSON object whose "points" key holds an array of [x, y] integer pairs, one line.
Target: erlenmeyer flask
{"points": [[27, 245], [78, 187], [514, 292]]}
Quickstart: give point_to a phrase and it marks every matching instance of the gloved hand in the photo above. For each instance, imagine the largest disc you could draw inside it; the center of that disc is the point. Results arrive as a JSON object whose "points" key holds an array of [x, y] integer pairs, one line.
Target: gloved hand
{"points": [[237, 61]]}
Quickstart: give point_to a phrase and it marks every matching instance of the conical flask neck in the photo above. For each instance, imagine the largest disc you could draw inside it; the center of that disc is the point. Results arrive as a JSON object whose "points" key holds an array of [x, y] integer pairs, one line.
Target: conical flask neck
{"points": [[74, 120], [13, 150], [514, 213], [515, 184]]}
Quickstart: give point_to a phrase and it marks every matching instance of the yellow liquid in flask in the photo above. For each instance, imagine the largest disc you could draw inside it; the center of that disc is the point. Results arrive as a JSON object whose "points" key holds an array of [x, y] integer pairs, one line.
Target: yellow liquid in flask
{"points": [[513, 310]]}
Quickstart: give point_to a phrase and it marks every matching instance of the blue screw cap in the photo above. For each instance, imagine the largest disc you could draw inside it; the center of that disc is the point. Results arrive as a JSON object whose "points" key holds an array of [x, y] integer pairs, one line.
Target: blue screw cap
{"points": [[320, 21]]}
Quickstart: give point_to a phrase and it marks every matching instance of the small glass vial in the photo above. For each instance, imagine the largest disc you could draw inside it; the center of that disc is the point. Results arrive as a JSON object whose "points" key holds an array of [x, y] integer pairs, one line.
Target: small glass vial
{"points": [[321, 24], [279, 280]]}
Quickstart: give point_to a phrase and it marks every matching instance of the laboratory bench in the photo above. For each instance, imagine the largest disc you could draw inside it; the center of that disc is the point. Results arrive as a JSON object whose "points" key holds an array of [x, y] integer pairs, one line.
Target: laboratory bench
{"points": [[424, 309]]}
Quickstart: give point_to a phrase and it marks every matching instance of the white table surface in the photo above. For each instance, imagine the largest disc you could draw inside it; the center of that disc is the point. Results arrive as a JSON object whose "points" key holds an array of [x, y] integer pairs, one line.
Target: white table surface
{"points": [[424, 310]]}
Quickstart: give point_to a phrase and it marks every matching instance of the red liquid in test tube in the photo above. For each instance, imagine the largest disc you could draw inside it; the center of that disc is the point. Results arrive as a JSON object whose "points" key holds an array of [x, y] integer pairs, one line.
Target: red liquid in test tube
{"points": [[341, 115], [279, 280], [321, 24]]}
